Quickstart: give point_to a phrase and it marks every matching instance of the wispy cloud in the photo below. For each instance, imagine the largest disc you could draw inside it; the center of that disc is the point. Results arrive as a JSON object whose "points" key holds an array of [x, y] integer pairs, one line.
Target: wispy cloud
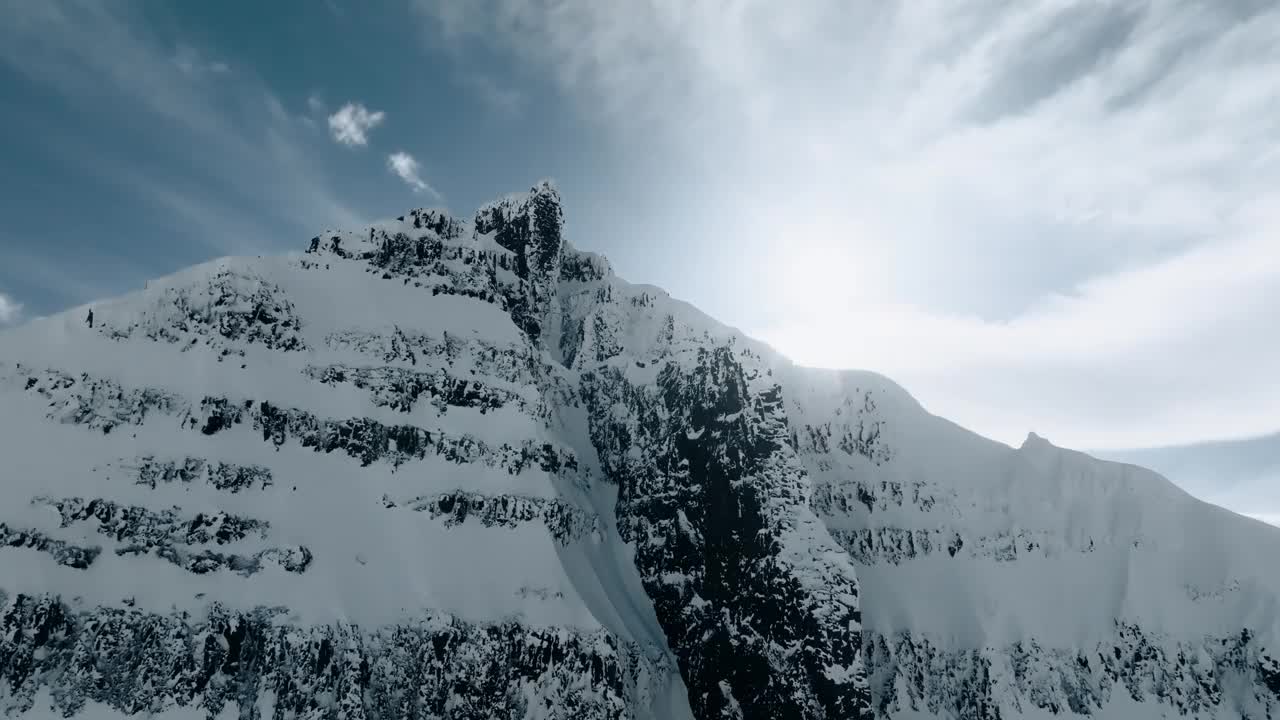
{"points": [[499, 97], [1241, 475], [351, 124], [191, 61], [71, 275], [404, 166], [10, 310], [256, 186], [1038, 215]]}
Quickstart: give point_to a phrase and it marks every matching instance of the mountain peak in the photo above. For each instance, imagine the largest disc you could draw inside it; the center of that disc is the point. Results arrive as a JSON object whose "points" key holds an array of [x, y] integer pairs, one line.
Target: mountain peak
{"points": [[441, 467], [529, 225], [1035, 441]]}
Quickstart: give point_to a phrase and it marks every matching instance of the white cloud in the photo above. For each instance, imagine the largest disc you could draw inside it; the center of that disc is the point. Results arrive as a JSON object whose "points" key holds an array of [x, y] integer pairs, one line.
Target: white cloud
{"points": [[1040, 215], [10, 310], [405, 167], [352, 122]]}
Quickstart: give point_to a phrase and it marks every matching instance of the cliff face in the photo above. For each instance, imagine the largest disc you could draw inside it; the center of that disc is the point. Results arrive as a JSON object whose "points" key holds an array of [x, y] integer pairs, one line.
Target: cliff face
{"points": [[445, 468]]}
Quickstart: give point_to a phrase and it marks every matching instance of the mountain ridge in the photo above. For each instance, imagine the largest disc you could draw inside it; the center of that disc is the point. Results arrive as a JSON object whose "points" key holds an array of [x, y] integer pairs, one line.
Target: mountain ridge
{"points": [[441, 442]]}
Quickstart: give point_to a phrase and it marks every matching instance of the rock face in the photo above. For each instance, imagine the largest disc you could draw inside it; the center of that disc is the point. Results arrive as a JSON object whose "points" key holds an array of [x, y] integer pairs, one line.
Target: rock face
{"points": [[446, 468]]}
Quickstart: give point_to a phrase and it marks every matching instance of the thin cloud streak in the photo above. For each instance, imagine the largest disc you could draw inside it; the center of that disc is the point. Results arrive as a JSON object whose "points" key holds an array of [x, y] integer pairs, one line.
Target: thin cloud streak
{"points": [[503, 99], [258, 186], [404, 166]]}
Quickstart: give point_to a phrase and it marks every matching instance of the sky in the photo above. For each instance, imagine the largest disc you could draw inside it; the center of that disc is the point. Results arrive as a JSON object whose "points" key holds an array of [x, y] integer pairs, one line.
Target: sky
{"points": [[1242, 475], [1044, 216]]}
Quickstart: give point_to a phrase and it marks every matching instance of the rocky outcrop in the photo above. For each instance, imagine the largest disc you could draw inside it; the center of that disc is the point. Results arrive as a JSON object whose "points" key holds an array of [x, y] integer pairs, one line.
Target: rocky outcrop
{"points": [[102, 404], [894, 545], [96, 403], [566, 523], [62, 552], [226, 311], [860, 432], [402, 389], [138, 526], [168, 535], [294, 559], [843, 498], [530, 227], [1190, 679], [230, 477], [512, 363], [55, 658], [759, 608]]}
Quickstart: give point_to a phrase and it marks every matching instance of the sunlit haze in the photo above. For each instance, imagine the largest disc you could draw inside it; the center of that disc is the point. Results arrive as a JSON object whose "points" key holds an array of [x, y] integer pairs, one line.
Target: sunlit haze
{"points": [[1044, 216]]}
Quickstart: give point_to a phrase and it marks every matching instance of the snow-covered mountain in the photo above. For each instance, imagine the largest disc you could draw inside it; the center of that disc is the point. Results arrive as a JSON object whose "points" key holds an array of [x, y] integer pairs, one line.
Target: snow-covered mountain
{"points": [[446, 468]]}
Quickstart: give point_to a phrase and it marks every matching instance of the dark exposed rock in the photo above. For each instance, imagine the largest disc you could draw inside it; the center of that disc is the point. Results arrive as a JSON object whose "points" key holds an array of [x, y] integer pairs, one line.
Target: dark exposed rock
{"points": [[98, 403], [105, 404], [168, 535], [443, 266], [583, 267], [401, 389], [567, 523], [295, 559], [861, 434], [712, 498], [519, 276], [370, 441], [894, 545], [512, 363], [870, 546], [151, 471], [145, 528], [437, 221], [910, 673], [139, 662], [63, 553], [843, 498], [530, 227], [227, 311]]}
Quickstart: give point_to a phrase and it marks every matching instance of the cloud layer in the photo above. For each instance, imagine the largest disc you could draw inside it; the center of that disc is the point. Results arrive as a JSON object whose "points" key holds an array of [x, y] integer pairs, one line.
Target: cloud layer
{"points": [[1044, 216]]}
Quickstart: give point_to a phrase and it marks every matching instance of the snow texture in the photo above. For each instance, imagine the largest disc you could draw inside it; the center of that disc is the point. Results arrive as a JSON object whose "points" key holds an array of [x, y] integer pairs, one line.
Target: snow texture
{"points": [[447, 468]]}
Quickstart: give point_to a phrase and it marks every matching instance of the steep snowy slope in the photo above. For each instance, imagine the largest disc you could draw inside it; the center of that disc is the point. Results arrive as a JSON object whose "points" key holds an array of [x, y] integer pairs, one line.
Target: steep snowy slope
{"points": [[445, 468], [1001, 582], [293, 487]]}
